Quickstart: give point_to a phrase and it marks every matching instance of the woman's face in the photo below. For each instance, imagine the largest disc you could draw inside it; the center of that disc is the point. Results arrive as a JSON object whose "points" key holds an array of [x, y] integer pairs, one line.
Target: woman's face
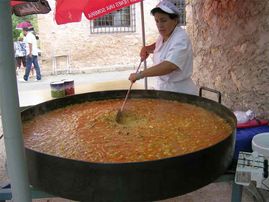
{"points": [[165, 24]]}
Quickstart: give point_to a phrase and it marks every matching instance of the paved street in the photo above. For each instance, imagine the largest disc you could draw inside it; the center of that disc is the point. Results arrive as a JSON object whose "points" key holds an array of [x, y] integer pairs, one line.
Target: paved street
{"points": [[79, 79], [33, 92]]}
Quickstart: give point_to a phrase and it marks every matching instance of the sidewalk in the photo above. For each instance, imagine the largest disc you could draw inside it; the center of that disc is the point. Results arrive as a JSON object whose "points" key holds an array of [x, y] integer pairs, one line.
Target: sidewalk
{"points": [[34, 92]]}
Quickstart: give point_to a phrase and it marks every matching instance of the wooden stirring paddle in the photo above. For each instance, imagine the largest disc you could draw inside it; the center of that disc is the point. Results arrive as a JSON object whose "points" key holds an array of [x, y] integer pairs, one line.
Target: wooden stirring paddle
{"points": [[120, 111]]}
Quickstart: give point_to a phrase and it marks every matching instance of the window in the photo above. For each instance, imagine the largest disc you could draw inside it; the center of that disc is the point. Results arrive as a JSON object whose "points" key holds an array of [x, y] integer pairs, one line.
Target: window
{"points": [[122, 20], [182, 7]]}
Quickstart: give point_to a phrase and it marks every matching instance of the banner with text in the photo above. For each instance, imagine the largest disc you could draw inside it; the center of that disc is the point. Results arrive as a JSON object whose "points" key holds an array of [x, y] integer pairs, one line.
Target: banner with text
{"points": [[96, 9], [70, 10]]}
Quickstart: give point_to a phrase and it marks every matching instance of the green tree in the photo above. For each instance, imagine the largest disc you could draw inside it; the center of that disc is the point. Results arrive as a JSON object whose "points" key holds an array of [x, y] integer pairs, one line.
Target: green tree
{"points": [[16, 20]]}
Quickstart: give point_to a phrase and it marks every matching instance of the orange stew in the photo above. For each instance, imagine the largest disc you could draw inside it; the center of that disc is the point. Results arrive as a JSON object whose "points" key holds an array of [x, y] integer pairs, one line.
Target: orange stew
{"points": [[151, 129]]}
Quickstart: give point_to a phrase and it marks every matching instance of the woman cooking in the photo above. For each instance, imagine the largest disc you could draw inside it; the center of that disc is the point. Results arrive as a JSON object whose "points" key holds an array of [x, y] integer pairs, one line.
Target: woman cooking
{"points": [[172, 53]]}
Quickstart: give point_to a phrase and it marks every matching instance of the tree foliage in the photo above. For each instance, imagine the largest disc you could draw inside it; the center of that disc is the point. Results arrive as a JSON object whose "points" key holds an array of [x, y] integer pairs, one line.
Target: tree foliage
{"points": [[16, 20]]}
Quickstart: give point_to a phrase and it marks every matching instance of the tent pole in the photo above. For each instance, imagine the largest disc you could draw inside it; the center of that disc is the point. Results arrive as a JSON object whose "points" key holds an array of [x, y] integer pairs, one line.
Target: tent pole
{"points": [[143, 38], [11, 120]]}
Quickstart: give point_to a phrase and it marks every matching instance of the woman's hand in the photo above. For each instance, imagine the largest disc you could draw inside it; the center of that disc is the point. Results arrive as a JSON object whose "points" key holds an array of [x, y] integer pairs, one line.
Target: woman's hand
{"points": [[146, 51], [136, 76], [132, 77]]}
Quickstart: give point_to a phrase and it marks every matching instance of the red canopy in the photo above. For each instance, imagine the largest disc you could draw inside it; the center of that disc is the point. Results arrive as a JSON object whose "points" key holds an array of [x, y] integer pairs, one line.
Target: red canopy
{"points": [[71, 11]]}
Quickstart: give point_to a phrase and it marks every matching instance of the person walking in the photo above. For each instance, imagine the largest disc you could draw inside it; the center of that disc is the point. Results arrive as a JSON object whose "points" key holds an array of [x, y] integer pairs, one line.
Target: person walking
{"points": [[32, 54]]}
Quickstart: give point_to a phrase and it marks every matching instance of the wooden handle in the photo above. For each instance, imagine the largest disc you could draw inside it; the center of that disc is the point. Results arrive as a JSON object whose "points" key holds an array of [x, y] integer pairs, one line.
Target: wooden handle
{"points": [[128, 92]]}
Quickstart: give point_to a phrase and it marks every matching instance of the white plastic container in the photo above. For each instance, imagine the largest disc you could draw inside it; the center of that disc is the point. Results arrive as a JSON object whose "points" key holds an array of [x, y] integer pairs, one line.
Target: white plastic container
{"points": [[260, 144]]}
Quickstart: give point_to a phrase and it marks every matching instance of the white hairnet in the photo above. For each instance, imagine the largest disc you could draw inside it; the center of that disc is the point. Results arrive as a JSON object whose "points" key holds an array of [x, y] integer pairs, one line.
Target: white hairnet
{"points": [[168, 7]]}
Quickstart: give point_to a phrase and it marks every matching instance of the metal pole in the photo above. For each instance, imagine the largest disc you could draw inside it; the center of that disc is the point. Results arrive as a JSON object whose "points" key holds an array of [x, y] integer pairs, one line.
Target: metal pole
{"points": [[143, 38], [10, 111], [236, 192]]}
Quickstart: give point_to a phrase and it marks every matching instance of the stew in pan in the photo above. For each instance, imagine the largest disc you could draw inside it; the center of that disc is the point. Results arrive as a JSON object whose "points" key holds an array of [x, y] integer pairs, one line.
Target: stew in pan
{"points": [[152, 129]]}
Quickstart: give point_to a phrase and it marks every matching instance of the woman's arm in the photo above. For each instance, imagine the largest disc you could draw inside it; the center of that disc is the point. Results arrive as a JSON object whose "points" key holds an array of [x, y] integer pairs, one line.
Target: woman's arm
{"points": [[163, 68]]}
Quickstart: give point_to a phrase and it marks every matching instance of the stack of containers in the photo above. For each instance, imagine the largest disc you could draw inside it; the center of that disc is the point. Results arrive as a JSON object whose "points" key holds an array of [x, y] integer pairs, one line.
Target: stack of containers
{"points": [[62, 88]]}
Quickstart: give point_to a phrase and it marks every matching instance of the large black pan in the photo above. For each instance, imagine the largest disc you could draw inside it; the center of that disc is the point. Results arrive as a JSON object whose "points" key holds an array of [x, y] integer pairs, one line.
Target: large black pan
{"points": [[138, 181]]}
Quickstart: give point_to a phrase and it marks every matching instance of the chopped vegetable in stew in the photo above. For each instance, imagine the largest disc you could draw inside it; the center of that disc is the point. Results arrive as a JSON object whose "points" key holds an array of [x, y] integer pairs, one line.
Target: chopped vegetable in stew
{"points": [[152, 129]]}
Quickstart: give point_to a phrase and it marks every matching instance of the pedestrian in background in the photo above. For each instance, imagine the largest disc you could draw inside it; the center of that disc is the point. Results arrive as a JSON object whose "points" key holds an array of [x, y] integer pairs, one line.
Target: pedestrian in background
{"points": [[32, 54], [20, 53]]}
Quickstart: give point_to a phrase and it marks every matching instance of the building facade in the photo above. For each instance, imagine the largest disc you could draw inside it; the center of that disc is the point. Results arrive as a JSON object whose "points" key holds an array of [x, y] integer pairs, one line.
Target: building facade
{"points": [[109, 43]]}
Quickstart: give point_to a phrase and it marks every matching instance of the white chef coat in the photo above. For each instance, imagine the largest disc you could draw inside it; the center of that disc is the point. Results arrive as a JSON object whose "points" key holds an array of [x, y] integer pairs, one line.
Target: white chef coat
{"points": [[177, 50]]}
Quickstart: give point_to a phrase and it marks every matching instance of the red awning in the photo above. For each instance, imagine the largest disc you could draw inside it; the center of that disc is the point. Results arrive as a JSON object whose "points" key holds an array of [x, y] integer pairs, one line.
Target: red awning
{"points": [[71, 11]]}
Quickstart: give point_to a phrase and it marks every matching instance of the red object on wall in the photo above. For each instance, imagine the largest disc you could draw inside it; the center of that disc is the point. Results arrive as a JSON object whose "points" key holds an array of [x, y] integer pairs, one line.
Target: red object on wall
{"points": [[71, 11], [253, 123]]}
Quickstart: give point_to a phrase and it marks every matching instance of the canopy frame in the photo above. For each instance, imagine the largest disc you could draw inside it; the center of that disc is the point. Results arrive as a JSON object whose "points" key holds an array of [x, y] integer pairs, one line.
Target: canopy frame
{"points": [[10, 110]]}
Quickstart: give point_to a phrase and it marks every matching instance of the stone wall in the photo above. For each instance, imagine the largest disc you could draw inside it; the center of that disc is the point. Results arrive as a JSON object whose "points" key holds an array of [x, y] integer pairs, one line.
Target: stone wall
{"points": [[93, 52], [231, 47]]}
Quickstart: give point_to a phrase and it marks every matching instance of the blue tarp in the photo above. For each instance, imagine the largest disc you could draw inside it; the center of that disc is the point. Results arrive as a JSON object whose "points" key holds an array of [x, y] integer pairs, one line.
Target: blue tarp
{"points": [[244, 137]]}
